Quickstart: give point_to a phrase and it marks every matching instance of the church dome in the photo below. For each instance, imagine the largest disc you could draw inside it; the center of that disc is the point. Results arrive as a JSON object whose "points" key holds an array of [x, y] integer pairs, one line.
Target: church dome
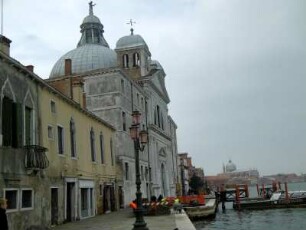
{"points": [[91, 19], [85, 58], [230, 166], [92, 51], [130, 41]]}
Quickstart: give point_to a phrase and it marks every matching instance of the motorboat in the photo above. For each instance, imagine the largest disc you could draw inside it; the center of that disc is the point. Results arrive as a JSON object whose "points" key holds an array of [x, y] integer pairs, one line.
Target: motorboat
{"points": [[279, 199]]}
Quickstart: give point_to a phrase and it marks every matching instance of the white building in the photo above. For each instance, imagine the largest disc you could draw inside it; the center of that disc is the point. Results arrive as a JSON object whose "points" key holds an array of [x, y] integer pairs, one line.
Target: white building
{"points": [[117, 82]]}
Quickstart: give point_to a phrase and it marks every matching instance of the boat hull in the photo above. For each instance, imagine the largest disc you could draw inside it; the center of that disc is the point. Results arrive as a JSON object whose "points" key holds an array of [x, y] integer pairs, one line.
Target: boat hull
{"points": [[268, 204], [202, 211]]}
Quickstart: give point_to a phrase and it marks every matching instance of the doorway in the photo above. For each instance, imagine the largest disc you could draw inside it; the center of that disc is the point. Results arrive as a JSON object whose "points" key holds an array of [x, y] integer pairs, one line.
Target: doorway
{"points": [[121, 197], [70, 202], [54, 206]]}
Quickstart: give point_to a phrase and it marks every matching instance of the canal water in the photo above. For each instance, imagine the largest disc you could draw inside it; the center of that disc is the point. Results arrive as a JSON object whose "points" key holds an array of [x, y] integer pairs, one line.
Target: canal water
{"points": [[275, 219]]}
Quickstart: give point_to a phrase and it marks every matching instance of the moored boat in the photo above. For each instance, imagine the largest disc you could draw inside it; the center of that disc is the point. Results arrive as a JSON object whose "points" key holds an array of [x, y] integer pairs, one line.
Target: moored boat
{"points": [[202, 211], [281, 199]]}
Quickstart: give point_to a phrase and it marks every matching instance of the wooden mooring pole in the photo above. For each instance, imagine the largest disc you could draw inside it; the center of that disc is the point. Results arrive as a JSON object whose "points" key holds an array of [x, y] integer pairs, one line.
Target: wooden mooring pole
{"points": [[263, 191], [286, 191], [238, 196]]}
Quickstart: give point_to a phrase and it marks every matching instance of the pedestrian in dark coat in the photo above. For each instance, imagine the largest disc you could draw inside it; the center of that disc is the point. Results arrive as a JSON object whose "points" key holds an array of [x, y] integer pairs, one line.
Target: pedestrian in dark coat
{"points": [[3, 217]]}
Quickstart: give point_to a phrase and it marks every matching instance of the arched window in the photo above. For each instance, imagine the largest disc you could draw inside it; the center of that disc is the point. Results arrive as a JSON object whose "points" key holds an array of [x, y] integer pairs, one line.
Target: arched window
{"points": [[125, 60], [123, 121], [163, 180], [92, 145], [158, 115], [9, 121], [96, 37], [72, 138], [29, 124], [88, 36], [142, 105], [122, 86], [162, 121], [155, 117], [136, 59], [11, 117]]}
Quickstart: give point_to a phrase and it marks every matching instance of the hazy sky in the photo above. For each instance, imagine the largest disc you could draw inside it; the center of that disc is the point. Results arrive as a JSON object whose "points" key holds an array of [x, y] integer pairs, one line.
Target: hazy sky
{"points": [[236, 69]]}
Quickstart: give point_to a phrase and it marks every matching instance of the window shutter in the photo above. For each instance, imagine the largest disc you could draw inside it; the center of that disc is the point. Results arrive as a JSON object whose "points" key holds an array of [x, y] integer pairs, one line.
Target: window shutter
{"points": [[17, 133]]}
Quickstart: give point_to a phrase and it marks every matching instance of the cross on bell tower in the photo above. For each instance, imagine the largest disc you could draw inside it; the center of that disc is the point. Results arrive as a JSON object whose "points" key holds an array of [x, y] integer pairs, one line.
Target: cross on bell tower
{"points": [[131, 22]]}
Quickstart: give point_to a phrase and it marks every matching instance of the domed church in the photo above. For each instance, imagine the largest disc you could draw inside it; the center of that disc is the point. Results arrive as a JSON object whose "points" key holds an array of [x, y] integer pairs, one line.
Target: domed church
{"points": [[92, 51], [114, 83], [230, 167]]}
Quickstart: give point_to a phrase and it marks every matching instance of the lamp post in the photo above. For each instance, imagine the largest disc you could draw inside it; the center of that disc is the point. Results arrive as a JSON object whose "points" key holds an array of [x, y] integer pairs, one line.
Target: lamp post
{"points": [[140, 139], [183, 176]]}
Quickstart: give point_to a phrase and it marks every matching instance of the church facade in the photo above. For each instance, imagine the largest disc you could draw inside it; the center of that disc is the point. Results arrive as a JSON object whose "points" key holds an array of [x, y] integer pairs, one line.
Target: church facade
{"points": [[116, 83]]}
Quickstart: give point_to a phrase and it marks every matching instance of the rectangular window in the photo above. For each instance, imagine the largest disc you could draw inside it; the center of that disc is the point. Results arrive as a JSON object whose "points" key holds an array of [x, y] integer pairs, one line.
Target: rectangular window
{"points": [[137, 99], [92, 145], [150, 173], [27, 196], [72, 139], [102, 148], [12, 199], [53, 107], [123, 121], [50, 132], [112, 154], [122, 86], [60, 139], [126, 171], [142, 104]]}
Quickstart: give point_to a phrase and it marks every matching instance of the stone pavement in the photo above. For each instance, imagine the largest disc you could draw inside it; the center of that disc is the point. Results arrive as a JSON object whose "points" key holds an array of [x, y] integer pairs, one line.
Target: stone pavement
{"points": [[124, 219]]}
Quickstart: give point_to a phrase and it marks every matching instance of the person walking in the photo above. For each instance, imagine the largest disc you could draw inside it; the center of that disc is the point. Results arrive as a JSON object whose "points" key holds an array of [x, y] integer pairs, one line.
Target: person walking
{"points": [[3, 217]]}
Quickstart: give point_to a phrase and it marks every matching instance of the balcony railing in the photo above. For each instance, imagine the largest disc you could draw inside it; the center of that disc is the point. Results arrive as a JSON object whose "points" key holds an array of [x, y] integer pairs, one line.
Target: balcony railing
{"points": [[35, 157]]}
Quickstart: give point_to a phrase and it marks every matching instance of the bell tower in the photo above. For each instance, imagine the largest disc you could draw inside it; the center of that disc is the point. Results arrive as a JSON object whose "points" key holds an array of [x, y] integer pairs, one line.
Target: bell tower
{"points": [[133, 55]]}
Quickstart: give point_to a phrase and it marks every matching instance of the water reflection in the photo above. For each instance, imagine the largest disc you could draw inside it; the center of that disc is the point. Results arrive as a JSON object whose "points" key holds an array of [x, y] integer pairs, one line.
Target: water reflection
{"points": [[276, 219]]}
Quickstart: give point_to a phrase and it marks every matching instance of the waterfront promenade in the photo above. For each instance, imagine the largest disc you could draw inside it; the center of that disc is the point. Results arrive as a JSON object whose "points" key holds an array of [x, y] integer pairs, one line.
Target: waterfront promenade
{"points": [[124, 219]]}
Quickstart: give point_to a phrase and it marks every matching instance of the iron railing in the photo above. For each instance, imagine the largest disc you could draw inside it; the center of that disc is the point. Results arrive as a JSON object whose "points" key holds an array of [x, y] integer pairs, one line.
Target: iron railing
{"points": [[35, 157]]}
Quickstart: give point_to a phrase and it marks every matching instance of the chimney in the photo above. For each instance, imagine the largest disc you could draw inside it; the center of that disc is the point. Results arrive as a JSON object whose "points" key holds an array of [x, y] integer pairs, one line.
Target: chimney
{"points": [[5, 45], [68, 70], [30, 68]]}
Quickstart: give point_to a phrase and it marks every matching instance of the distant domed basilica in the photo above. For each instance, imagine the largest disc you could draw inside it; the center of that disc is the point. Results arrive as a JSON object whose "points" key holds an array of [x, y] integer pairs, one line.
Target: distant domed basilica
{"points": [[234, 175], [230, 167]]}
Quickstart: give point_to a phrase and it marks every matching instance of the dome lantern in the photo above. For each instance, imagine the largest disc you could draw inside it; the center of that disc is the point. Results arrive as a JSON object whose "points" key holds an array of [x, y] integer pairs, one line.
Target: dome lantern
{"points": [[92, 30], [92, 51]]}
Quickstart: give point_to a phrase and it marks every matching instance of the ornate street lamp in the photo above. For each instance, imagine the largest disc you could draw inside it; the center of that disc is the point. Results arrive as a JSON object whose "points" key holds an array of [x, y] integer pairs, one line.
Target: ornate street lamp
{"points": [[183, 176], [140, 139]]}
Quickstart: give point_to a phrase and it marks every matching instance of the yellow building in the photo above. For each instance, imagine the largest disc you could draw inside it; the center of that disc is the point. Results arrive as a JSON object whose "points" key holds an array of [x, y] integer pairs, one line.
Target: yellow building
{"points": [[56, 157], [82, 162]]}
